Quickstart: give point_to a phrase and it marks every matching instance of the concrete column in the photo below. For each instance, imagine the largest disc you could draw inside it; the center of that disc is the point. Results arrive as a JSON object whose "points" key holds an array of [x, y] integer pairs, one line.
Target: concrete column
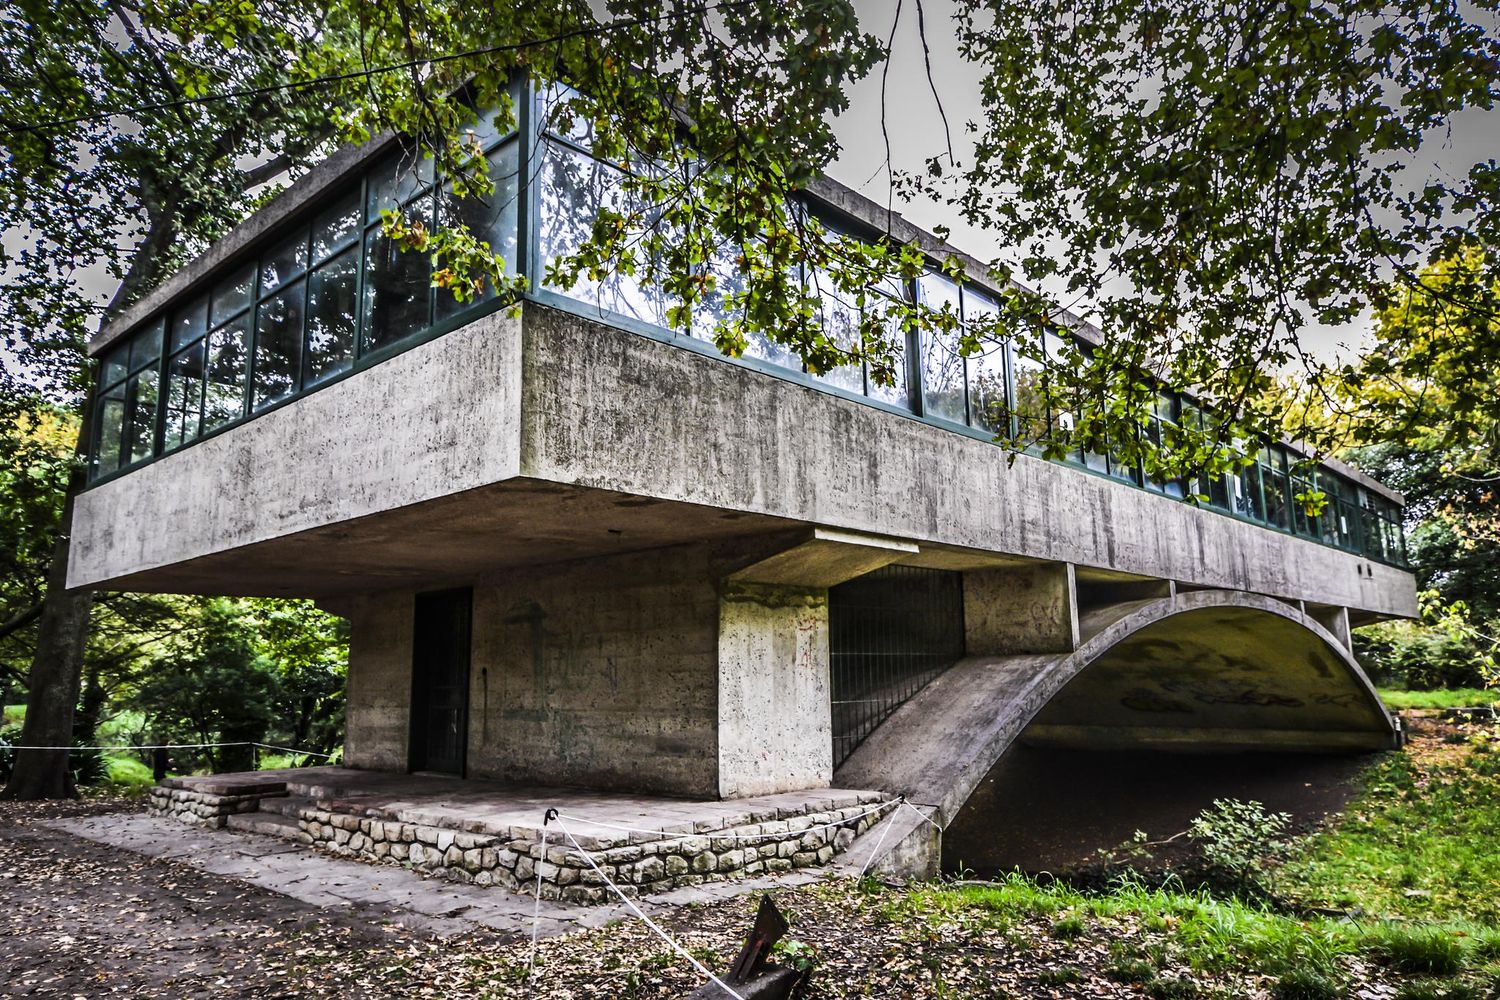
{"points": [[378, 716], [1029, 609], [1334, 619], [775, 720]]}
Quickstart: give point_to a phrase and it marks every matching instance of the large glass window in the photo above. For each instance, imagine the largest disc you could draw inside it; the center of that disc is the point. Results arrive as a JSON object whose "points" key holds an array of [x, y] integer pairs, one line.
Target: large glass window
{"points": [[988, 397], [125, 425], [943, 370]]}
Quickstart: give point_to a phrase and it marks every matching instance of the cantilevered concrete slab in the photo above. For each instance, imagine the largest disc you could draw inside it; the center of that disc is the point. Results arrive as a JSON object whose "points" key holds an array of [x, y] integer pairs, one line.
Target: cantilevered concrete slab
{"points": [[519, 440]]}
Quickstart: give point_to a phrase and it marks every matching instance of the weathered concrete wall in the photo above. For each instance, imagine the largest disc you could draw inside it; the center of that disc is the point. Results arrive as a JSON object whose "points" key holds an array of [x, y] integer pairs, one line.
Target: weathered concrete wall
{"points": [[775, 728], [436, 420], [1029, 609], [554, 409], [378, 716], [748, 441], [599, 673]]}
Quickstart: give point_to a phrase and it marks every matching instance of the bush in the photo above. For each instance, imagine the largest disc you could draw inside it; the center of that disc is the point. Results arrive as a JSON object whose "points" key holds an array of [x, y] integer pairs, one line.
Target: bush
{"points": [[1420, 658], [1236, 840]]}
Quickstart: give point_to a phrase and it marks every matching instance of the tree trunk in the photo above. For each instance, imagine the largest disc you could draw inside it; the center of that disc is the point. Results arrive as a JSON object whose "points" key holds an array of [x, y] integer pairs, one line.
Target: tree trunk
{"points": [[56, 669]]}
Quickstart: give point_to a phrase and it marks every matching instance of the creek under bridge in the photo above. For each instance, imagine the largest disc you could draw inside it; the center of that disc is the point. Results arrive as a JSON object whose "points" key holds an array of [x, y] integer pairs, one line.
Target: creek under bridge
{"points": [[1200, 672]]}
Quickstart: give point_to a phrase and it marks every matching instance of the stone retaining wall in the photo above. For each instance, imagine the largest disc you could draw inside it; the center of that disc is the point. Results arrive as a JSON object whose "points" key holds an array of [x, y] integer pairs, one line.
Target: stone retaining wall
{"points": [[201, 808], [652, 866]]}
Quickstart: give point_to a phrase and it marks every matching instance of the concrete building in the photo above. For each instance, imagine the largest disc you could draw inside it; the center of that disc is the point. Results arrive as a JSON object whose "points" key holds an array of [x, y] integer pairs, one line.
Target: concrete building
{"points": [[579, 549]]}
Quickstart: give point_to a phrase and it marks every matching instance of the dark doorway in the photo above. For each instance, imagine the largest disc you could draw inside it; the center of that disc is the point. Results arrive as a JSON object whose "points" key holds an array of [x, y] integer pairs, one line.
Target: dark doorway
{"points": [[440, 681], [889, 633]]}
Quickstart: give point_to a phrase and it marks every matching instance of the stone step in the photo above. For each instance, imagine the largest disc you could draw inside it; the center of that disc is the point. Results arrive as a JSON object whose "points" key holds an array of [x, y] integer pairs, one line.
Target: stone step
{"points": [[270, 824], [285, 805]]}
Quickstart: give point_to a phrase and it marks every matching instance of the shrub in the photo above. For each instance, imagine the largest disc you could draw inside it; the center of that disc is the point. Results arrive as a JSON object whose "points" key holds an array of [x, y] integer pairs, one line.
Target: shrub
{"points": [[1236, 840], [1068, 927]]}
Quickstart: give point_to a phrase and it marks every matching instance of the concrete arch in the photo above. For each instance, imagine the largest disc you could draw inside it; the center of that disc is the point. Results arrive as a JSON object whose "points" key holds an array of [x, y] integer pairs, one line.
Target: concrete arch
{"points": [[1210, 669]]}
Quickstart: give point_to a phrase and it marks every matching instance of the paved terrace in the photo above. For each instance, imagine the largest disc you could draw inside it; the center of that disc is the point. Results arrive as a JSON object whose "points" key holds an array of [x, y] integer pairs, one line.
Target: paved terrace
{"points": [[494, 834]]}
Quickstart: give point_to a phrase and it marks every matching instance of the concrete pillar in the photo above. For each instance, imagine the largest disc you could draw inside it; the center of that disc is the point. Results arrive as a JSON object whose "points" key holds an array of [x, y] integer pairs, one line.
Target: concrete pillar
{"points": [[1028, 609], [775, 721], [1335, 619], [378, 713]]}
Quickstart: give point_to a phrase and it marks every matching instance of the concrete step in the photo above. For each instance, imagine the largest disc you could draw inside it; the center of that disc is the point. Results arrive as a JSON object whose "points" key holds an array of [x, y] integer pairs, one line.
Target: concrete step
{"points": [[270, 824], [285, 805]]}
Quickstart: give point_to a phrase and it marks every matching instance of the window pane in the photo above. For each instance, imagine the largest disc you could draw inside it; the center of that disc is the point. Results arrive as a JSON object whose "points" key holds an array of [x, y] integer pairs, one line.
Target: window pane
{"points": [[715, 306], [330, 317], [284, 262], [278, 346], [395, 182], [395, 294], [898, 394], [145, 347], [1030, 403], [114, 366], [1278, 497], [575, 189], [189, 323], [942, 364], [232, 295], [184, 396], [565, 114], [839, 318], [337, 227], [111, 433], [1247, 492], [140, 436], [492, 219], [987, 407], [224, 393]]}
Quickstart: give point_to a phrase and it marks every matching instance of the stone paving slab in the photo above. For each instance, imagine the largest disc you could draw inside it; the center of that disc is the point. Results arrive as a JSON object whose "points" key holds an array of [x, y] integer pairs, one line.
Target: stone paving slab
{"points": [[380, 892]]}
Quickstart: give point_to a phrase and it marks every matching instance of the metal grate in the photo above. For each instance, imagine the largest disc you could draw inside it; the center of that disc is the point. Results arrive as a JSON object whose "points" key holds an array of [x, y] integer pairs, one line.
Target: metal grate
{"points": [[890, 632]]}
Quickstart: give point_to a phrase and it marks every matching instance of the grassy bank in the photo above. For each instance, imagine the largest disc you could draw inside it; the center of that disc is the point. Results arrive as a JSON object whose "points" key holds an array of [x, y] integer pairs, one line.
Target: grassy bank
{"points": [[1446, 698]]}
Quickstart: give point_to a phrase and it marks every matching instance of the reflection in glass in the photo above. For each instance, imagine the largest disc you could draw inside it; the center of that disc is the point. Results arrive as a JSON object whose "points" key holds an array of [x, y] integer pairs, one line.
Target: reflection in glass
{"points": [[111, 431], [184, 397], [337, 227], [396, 293], [839, 319], [395, 182], [942, 364], [898, 394], [140, 437], [492, 219], [189, 322], [283, 263], [278, 346], [331, 317], [574, 190], [224, 389], [145, 347], [232, 295]]}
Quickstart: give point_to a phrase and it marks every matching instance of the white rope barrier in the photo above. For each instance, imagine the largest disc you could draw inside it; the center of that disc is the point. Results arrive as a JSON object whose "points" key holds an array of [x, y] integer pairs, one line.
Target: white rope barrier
{"points": [[536, 907], [725, 835], [175, 746], [630, 903]]}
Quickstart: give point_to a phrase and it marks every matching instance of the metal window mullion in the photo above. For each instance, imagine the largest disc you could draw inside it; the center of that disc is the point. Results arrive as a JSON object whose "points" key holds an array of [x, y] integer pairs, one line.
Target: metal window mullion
{"points": [[304, 353], [362, 243], [529, 156]]}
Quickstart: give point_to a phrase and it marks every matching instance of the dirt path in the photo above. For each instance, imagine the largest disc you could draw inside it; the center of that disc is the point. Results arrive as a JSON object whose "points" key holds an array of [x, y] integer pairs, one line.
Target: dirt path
{"points": [[81, 920]]}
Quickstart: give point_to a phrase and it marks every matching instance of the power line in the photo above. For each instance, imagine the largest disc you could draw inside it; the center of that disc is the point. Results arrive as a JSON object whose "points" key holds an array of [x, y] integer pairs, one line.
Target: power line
{"points": [[324, 81]]}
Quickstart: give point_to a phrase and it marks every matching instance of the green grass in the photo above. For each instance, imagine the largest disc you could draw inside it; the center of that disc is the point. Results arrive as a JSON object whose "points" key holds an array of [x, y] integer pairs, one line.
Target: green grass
{"points": [[1412, 857], [1450, 698], [1418, 843], [12, 715], [127, 773]]}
